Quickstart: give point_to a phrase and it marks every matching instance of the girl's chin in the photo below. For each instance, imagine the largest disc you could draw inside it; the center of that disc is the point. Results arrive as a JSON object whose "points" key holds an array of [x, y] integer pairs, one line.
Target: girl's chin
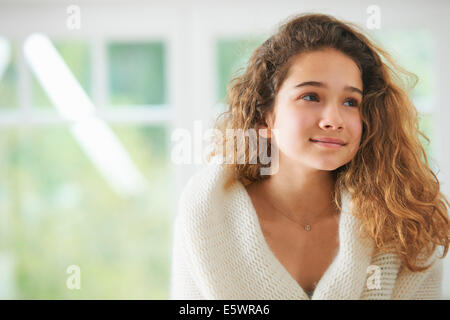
{"points": [[327, 166]]}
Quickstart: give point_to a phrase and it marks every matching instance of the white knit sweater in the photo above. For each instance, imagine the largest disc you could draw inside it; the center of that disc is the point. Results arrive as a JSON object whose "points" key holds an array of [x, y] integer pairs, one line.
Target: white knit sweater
{"points": [[220, 253]]}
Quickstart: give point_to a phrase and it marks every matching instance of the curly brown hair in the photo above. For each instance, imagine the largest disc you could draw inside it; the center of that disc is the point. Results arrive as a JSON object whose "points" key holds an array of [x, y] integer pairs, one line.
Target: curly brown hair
{"points": [[394, 192]]}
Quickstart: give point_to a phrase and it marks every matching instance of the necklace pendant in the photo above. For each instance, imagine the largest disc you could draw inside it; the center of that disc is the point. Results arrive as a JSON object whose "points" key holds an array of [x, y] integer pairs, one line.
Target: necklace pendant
{"points": [[307, 227]]}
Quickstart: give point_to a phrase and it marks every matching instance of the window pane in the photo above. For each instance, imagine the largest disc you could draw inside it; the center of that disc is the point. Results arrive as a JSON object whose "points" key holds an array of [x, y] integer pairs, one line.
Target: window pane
{"points": [[8, 75], [413, 50], [76, 55], [59, 211], [232, 57], [136, 74]]}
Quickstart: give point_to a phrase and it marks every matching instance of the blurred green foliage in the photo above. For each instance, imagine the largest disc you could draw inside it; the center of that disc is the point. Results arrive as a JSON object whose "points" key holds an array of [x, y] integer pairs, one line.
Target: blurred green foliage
{"points": [[232, 59], [59, 209], [76, 55], [137, 73], [412, 50], [61, 212]]}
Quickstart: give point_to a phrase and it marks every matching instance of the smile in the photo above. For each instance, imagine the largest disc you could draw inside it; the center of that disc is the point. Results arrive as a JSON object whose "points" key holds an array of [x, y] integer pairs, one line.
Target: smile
{"points": [[327, 144]]}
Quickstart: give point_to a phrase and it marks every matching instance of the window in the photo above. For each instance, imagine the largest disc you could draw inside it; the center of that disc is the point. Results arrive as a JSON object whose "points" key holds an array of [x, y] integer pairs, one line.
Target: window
{"points": [[62, 205], [76, 55], [232, 58], [136, 73], [414, 50]]}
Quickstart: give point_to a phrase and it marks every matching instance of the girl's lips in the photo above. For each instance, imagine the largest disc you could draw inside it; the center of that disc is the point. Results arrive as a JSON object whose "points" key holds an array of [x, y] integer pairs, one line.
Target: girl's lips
{"points": [[329, 140], [327, 144]]}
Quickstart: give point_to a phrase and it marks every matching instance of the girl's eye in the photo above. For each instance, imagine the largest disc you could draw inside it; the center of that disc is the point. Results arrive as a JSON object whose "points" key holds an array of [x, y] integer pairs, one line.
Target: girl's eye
{"points": [[313, 96], [353, 102]]}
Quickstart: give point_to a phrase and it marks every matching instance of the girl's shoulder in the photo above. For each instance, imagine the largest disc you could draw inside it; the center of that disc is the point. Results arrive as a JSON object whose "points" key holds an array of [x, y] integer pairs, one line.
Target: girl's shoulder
{"points": [[204, 183], [204, 192]]}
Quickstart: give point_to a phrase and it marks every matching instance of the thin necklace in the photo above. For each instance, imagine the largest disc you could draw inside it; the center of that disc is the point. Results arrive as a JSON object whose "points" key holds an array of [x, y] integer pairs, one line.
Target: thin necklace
{"points": [[306, 227]]}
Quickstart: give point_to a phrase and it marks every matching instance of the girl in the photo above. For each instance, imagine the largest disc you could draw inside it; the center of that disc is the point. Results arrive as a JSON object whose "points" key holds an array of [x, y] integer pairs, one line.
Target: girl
{"points": [[347, 209]]}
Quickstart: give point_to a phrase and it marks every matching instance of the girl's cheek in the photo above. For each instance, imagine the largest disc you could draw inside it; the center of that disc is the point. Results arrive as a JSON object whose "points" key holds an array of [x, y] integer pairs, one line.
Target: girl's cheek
{"points": [[303, 121], [358, 127]]}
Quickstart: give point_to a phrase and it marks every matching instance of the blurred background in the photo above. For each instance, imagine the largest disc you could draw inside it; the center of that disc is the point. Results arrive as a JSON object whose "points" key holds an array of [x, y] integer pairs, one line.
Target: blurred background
{"points": [[90, 94]]}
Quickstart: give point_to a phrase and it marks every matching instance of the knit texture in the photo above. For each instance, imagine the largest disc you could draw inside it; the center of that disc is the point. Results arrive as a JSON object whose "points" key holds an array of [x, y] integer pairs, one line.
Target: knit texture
{"points": [[220, 253]]}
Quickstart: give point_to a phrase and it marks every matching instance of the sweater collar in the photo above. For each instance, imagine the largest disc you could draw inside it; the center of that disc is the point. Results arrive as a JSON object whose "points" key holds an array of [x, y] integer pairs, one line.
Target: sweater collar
{"points": [[234, 261], [346, 275]]}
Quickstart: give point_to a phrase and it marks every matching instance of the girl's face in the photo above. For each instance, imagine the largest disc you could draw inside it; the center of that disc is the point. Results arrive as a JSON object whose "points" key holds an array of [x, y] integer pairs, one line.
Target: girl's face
{"points": [[320, 98]]}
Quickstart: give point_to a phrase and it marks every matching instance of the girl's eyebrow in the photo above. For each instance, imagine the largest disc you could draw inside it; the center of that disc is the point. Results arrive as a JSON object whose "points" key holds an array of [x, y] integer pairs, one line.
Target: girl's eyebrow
{"points": [[323, 85]]}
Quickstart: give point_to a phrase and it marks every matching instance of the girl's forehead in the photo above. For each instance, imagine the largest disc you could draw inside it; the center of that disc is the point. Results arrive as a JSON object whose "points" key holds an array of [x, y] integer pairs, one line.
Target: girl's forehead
{"points": [[322, 61], [329, 67]]}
